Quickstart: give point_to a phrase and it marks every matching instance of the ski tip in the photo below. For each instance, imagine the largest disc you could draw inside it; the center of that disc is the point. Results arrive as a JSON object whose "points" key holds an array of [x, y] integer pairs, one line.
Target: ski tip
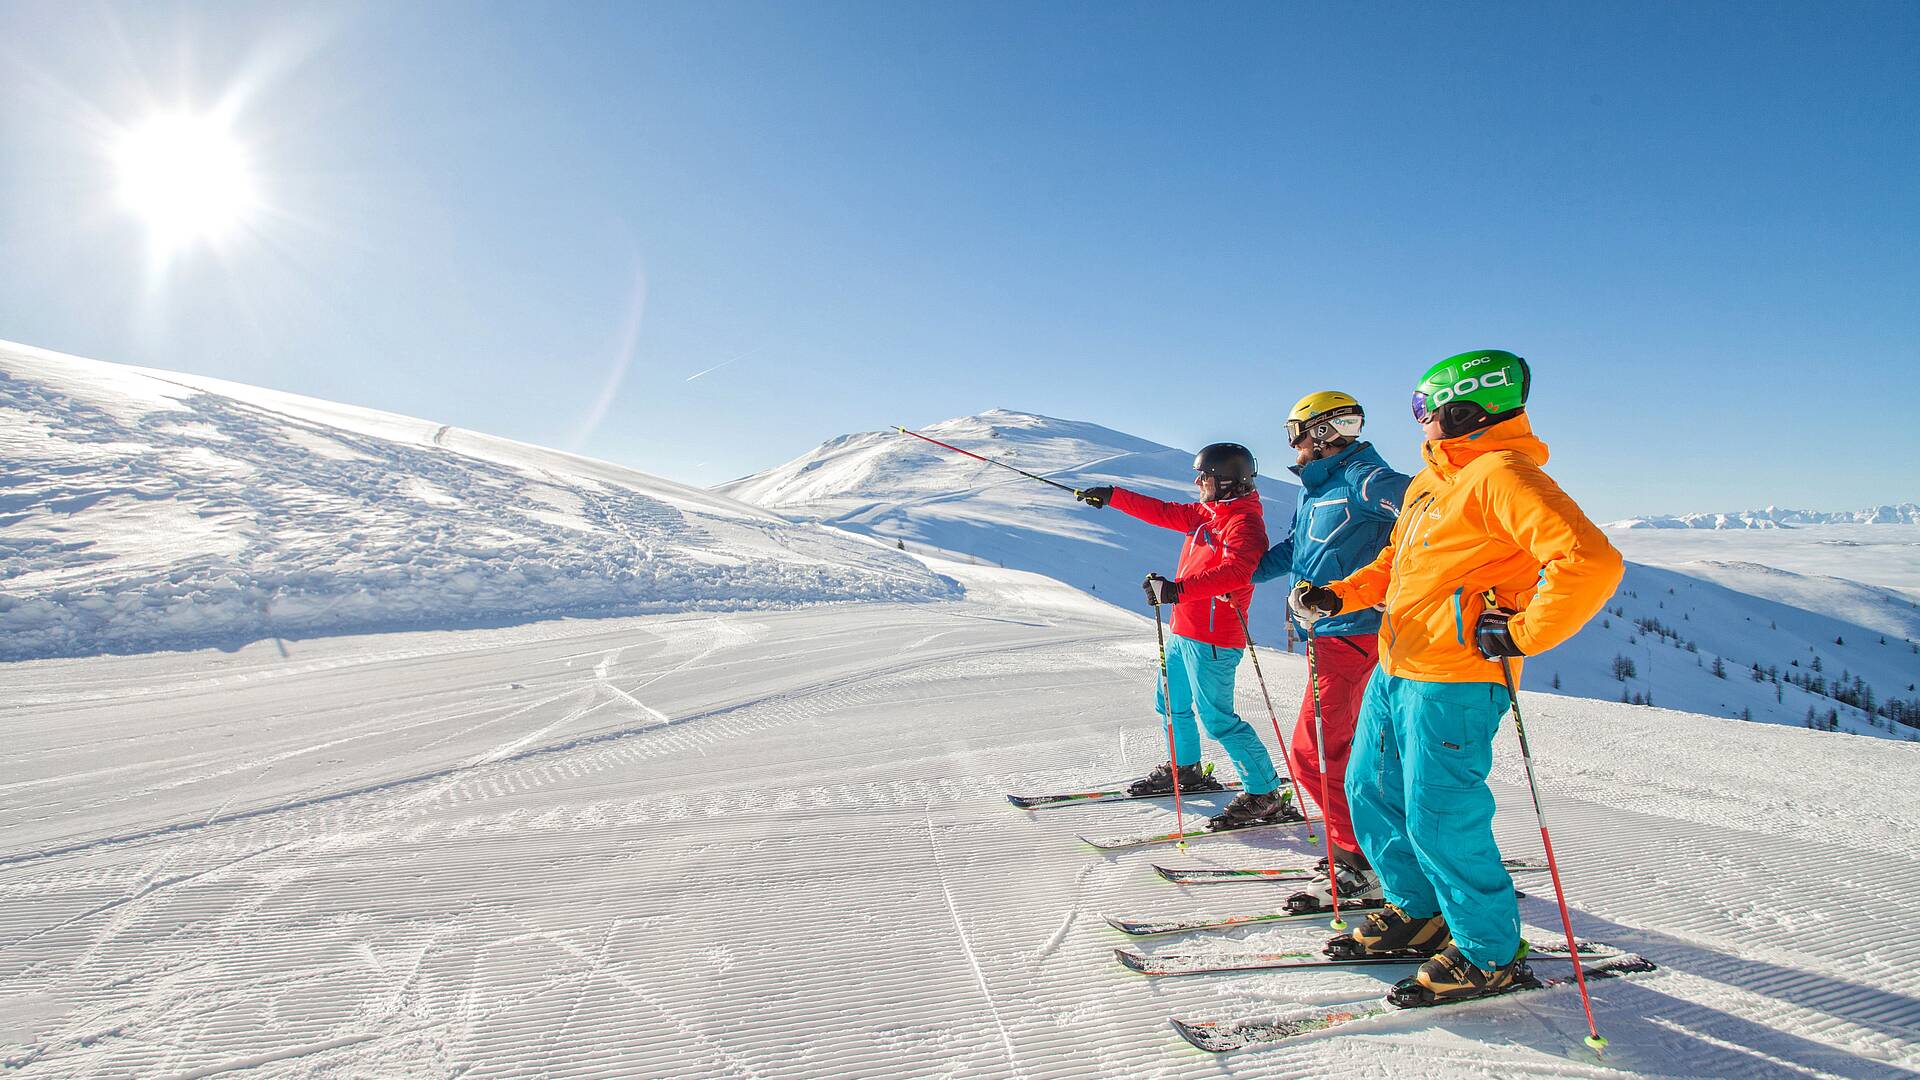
{"points": [[1200, 1038], [1131, 960], [1167, 873], [1623, 964]]}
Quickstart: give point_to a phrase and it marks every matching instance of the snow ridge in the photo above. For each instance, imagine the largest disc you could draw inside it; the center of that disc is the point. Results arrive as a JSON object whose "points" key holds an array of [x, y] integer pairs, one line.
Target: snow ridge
{"points": [[907, 492], [145, 510]]}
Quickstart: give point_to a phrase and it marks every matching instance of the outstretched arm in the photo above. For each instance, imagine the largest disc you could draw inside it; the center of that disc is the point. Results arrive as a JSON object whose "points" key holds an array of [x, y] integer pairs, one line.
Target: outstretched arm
{"points": [[1181, 517]]}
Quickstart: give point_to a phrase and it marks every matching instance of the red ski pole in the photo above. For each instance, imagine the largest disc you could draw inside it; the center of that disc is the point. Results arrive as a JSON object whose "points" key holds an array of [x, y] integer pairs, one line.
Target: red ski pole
{"points": [[1166, 701], [1594, 1039], [1320, 741], [988, 460], [1299, 800]]}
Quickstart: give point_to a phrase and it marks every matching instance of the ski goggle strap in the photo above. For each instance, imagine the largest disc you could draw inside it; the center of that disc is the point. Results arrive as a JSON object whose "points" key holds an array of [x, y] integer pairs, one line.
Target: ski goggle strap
{"points": [[1325, 429]]}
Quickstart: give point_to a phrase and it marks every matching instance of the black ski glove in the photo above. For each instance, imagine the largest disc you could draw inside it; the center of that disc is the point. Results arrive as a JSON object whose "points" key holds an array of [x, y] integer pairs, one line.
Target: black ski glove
{"points": [[1490, 634], [1095, 497], [1310, 603], [1160, 590]]}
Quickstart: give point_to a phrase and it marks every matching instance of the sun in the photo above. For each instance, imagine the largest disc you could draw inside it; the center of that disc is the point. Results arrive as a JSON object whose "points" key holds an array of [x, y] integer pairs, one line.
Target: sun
{"points": [[186, 176]]}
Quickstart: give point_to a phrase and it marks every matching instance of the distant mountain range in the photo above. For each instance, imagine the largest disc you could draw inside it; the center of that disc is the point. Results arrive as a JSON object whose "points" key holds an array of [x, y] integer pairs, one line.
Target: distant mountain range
{"points": [[1774, 517]]}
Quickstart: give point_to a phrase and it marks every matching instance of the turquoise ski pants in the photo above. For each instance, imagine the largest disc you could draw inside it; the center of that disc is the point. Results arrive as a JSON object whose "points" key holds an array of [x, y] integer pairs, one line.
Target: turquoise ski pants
{"points": [[1200, 678], [1417, 786]]}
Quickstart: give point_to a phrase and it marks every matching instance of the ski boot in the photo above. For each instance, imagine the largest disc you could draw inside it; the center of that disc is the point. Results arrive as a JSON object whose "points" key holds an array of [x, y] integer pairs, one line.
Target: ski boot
{"points": [[1249, 809], [1391, 932], [1448, 976], [1194, 780], [1357, 885]]}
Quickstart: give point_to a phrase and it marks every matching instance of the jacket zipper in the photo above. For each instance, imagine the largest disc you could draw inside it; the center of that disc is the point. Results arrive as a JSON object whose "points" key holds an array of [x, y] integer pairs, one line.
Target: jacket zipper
{"points": [[1411, 517]]}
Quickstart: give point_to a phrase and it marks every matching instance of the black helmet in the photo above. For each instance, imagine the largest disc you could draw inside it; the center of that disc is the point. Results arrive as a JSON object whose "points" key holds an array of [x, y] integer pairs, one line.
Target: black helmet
{"points": [[1229, 463]]}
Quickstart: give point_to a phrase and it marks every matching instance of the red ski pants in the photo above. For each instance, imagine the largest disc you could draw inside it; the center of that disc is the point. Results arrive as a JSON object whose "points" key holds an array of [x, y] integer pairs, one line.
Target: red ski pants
{"points": [[1342, 667]]}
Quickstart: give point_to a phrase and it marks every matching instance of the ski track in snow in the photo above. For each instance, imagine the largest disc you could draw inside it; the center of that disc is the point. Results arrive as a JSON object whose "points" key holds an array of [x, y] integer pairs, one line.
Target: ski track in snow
{"points": [[811, 869]]}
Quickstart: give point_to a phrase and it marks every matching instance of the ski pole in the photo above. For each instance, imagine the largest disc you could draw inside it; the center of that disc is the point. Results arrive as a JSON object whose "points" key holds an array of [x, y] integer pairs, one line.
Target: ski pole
{"points": [[1320, 741], [1594, 1040], [1299, 799], [988, 460], [1166, 700]]}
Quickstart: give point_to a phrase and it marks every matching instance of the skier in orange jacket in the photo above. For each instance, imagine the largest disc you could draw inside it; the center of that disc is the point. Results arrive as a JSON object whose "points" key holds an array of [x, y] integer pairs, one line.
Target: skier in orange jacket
{"points": [[1480, 521]]}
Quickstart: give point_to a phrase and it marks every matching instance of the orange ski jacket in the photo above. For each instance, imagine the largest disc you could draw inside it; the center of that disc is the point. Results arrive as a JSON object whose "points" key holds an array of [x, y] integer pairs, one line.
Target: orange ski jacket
{"points": [[1483, 516]]}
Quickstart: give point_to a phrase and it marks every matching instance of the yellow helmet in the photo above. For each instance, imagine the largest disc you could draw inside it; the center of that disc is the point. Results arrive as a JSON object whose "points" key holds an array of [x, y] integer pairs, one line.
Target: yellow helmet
{"points": [[1341, 413]]}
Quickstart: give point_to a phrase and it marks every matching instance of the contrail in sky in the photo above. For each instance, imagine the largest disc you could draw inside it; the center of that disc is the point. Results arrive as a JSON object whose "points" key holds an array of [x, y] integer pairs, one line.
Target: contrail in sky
{"points": [[711, 370]]}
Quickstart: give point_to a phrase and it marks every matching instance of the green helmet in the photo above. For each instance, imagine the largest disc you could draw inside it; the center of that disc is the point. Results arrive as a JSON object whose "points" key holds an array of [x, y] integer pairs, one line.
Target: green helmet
{"points": [[1472, 390]]}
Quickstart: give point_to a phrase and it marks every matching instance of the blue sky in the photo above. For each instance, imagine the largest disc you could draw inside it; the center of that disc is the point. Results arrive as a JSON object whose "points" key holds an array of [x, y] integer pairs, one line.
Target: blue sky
{"points": [[1699, 221]]}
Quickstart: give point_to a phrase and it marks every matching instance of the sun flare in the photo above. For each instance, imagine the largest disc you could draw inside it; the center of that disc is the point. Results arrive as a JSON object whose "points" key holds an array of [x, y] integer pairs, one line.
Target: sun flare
{"points": [[186, 176]]}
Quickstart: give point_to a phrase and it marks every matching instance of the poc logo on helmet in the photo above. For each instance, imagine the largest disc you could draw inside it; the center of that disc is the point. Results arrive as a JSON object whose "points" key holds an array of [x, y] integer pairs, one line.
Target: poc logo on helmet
{"points": [[1469, 384], [1471, 364]]}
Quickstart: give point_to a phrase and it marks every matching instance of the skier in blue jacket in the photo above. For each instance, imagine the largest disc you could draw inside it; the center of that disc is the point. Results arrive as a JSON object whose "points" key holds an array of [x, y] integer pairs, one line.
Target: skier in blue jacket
{"points": [[1349, 500]]}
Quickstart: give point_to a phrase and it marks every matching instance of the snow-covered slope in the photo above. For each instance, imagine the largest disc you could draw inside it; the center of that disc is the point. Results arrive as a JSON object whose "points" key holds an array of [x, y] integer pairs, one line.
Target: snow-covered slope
{"points": [[1886, 556], [1665, 628], [906, 491], [1774, 517], [747, 836], [773, 844], [146, 509]]}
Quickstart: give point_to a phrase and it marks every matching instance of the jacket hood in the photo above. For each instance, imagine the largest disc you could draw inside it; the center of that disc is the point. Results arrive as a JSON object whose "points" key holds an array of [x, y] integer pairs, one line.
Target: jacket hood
{"points": [[1448, 456]]}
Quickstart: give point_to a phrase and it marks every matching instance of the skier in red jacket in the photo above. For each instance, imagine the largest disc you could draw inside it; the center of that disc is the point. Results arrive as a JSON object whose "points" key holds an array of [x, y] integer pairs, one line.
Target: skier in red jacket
{"points": [[1210, 594]]}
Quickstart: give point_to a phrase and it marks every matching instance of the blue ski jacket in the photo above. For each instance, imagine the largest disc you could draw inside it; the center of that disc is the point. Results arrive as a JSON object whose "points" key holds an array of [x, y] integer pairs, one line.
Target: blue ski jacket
{"points": [[1348, 504]]}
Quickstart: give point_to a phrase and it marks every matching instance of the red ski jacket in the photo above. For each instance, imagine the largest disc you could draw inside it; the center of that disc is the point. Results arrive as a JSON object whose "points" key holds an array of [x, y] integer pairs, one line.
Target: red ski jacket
{"points": [[1225, 541]]}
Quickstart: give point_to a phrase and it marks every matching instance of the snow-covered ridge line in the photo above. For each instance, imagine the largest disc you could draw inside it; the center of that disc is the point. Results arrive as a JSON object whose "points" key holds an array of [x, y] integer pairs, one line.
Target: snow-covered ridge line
{"points": [[1774, 517], [148, 510], [909, 493]]}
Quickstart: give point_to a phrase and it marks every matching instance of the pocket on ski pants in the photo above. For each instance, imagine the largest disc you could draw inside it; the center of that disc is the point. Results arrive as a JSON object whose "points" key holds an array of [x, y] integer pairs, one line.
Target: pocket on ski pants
{"points": [[1450, 753]]}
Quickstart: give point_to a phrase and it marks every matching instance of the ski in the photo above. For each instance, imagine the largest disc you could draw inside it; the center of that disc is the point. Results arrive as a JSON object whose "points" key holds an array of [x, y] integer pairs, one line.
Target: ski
{"points": [[1223, 962], [1102, 795], [1220, 1036], [1155, 927], [1210, 875], [1120, 843]]}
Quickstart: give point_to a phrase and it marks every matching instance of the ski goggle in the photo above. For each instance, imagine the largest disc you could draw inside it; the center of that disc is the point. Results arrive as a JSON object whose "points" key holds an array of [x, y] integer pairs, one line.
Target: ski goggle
{"points": [[1421, 413], [1325, 429]]}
